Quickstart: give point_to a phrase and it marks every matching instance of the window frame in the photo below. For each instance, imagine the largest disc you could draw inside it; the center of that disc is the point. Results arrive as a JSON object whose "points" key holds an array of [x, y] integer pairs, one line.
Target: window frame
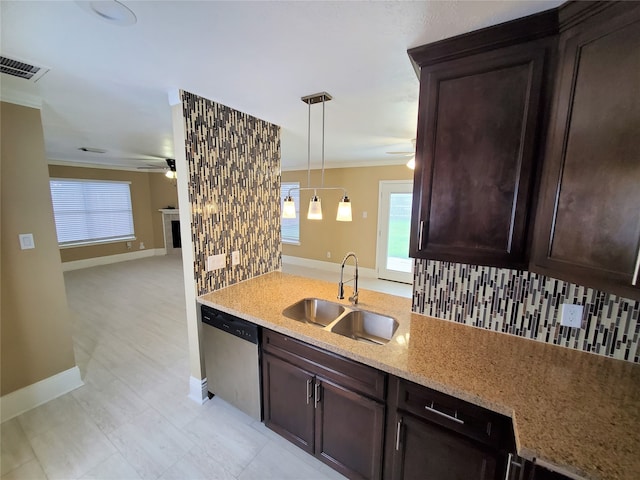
{"points": [[94, 241]]}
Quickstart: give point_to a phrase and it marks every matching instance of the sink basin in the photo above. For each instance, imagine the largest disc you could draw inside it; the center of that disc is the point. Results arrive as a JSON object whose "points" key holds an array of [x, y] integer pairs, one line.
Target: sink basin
{"points": [[315, 311], [366, 326]]}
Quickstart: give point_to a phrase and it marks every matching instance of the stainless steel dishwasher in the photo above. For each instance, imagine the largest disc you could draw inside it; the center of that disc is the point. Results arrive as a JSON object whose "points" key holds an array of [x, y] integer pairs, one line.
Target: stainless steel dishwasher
{"points": [[232, 360]]}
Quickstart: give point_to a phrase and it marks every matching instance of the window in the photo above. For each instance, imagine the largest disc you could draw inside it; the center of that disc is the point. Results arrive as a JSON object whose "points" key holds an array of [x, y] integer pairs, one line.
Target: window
{"points": [[290, 227], [91, 211]]}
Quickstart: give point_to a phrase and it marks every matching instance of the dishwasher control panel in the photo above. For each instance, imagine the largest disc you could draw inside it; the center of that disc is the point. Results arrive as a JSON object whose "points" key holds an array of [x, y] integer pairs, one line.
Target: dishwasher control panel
{"points": [[235, 326]]}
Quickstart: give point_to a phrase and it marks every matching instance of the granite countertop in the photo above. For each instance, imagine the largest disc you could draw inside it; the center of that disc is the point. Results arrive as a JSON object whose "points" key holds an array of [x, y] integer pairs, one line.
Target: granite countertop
{"points": [[575, 412]]}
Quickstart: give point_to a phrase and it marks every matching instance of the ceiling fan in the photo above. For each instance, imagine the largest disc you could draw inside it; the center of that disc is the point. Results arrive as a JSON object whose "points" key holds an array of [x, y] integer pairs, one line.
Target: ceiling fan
{"points": [[170, 168], [412, 161]]}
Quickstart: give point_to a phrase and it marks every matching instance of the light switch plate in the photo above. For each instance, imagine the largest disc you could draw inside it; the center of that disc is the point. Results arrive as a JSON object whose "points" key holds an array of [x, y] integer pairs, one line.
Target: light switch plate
{"points": [[571, 315], [216, 262], [26, 241]]}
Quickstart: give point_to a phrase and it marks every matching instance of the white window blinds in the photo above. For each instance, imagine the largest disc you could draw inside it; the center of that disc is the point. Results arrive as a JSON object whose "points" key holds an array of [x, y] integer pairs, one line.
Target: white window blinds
{"points": [[91, 211], [290, 227]]}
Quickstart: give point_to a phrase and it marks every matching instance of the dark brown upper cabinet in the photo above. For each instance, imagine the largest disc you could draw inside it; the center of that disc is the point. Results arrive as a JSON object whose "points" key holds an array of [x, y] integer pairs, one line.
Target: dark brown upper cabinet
{"points": [[588, 221], [481, 111]]}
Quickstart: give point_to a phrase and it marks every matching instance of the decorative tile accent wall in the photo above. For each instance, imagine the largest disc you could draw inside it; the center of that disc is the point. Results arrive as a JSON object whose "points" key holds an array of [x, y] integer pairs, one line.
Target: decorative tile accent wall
{"points": [[234, 189], [528, 305]]}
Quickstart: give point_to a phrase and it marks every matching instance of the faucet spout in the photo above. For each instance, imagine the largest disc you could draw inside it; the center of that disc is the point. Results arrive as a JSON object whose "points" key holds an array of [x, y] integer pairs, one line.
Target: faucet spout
{"points": [[354, 298]]}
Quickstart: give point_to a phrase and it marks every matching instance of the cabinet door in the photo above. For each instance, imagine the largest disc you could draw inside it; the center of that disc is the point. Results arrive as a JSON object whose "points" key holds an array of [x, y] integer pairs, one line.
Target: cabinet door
{"points": [[588, 227], [425, 451], [476, 155], [288, 401], [349, 431]]}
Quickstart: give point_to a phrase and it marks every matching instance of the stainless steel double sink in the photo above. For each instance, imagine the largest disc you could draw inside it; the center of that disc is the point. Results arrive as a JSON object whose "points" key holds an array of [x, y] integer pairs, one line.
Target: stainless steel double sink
{"points": [[351, 322]]}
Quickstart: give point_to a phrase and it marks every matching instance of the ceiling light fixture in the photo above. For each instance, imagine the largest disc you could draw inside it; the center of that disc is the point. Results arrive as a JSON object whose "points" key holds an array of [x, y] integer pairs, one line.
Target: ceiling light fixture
{"points": [[92, 150], [110, 11], [171, 173], [412, 163], [315, 204]]}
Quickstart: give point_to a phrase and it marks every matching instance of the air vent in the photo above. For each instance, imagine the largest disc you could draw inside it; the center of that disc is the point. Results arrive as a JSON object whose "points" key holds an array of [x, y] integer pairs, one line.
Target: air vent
{"points": [[20, 69]]}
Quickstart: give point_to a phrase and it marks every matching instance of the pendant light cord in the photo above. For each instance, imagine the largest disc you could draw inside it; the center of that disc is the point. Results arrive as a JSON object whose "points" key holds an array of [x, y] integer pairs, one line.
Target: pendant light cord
{"points": [[309, 147]]}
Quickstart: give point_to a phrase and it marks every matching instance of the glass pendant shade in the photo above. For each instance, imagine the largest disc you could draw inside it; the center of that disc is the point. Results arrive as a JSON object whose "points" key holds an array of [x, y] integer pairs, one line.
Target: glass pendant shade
{"points": [[315, 209], [412, 163], [289, 208], [344, 210]]}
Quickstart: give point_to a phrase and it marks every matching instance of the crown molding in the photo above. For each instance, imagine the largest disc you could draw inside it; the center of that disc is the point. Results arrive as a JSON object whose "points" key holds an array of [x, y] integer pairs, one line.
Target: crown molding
{"points": [[10, 95], [70, 163]]}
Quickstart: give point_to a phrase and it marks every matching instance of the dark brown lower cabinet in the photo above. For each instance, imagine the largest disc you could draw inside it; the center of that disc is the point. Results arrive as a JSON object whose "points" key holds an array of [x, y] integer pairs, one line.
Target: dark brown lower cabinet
{"points": [[433, 436], [325, 404], [426, 451], [349, 431], [288, 401]]}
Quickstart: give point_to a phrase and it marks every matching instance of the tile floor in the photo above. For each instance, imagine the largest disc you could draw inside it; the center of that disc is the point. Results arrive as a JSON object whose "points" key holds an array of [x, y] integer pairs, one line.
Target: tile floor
{"points": [[132, 418]]}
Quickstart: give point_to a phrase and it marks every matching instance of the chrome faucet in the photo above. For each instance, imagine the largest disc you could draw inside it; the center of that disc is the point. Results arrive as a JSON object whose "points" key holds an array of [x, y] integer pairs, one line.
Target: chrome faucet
{"points": [[354, 298]]}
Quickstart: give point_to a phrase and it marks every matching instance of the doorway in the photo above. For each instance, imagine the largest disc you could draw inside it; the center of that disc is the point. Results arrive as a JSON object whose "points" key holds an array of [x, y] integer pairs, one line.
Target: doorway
{"points": [[394, 229]]}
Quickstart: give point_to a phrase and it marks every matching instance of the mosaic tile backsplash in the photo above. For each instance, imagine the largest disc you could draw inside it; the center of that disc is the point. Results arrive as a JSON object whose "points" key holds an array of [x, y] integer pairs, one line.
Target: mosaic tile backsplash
{"points": [[234, 189], [527, 304]]}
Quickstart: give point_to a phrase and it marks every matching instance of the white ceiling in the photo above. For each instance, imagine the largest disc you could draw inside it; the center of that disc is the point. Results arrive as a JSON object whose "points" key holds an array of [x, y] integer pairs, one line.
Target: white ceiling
{"points": [[108, 84]]}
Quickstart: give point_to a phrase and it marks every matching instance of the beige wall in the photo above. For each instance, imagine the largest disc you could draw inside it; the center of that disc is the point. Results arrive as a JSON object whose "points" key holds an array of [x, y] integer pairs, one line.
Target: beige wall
{"points": [[149, 192], [319, 237], [36, 332]]}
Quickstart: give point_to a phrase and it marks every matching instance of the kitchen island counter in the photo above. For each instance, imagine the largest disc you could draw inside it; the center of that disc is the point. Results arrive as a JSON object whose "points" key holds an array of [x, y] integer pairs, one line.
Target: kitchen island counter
{"points": [[576, 412]]}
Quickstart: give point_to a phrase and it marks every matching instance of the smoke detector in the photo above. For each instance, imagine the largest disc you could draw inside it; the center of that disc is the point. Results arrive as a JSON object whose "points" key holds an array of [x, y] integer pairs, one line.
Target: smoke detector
{"points": [[21, 69]]}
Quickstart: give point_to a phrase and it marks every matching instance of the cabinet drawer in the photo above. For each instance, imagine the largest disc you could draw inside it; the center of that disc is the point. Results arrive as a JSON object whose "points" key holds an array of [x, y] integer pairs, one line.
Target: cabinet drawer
{"points": [[354, 375], [475, 422]]}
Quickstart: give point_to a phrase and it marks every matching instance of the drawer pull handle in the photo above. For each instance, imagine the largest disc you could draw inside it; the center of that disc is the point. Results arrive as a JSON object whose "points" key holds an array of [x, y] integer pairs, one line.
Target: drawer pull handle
{"points": [[420, 235], [511, 462], [309, 393], [398, 435], [634, 282], [508, 473], [316, 399], [446, 415]]}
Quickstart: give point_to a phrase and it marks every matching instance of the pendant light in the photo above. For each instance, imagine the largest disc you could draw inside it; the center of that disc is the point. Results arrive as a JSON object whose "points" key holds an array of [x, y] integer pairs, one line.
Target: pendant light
{"points": [[344, 210], [315, 208], [289, 208], [315, 204]]}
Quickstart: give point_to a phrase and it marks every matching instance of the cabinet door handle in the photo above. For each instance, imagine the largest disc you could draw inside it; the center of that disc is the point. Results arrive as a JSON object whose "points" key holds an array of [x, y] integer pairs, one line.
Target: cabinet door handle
{"points": [[634, 282], [510, 463], [309, 393], [398, 435], [445, 415], [316, 398], [420, 234], [508, 472]]}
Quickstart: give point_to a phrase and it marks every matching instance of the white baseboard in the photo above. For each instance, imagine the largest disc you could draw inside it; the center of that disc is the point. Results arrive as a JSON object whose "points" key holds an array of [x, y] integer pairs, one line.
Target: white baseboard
{"points": [[15, 403], [198, 390], [327, 266], [106, 260]]}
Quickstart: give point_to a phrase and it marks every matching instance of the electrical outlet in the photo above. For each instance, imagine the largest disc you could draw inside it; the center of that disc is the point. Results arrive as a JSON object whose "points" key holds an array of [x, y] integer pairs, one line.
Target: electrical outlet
{"points": [[235, 258], [141, 245], [216, 262], [571, 315], [128, 245], [328, 254], [364, 214]]}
